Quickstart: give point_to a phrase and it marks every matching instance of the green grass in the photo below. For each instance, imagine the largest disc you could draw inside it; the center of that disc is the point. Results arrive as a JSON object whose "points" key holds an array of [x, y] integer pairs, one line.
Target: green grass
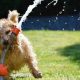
{"points": [[58, 54]]}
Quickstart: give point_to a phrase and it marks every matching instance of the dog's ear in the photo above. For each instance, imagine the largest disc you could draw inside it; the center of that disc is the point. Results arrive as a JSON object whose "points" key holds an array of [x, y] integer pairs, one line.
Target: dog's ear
{"points": [[16, 12], [13, 16], [9, 11]]}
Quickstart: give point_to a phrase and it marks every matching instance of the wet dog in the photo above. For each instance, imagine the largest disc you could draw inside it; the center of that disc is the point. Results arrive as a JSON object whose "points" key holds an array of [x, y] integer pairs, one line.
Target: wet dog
{"points": [[20, 51]]}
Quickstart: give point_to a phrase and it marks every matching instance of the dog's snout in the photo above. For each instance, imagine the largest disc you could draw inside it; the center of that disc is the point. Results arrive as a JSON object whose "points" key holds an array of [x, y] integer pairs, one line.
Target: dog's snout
{"points": [[5, 42]]}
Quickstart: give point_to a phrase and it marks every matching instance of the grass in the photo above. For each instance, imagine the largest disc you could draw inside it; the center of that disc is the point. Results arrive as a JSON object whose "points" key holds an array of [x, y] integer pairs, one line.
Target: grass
{"points": [[58, 54]]}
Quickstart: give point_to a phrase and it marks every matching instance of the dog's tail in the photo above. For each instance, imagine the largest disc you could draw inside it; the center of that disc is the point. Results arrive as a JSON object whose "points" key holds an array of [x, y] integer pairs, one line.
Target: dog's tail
{"points": [[13, 16]]}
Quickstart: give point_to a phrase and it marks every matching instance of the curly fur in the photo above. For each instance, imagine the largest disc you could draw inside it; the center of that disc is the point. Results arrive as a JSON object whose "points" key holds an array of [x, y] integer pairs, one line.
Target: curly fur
{"points": [[21, 53]]}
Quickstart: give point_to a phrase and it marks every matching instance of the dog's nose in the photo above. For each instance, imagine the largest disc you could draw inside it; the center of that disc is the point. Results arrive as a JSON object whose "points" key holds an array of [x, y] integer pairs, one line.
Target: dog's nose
{"points": [[5, 42]]}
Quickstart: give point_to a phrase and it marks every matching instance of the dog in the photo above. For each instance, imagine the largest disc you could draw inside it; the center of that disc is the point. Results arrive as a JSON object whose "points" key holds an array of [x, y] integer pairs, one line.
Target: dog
{"points": [[20, 51]]}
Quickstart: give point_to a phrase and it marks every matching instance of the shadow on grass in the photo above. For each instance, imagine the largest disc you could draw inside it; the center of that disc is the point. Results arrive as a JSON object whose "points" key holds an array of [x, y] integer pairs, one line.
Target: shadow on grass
{"points": [[72, 51]]}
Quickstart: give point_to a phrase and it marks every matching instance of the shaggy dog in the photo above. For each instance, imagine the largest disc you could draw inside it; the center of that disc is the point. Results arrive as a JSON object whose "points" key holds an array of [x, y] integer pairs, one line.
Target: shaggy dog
{"points": [[20, 51]]}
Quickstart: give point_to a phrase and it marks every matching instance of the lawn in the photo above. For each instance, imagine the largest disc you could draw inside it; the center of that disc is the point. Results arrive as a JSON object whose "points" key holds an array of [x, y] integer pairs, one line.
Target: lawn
{"points": [[58, 54]]}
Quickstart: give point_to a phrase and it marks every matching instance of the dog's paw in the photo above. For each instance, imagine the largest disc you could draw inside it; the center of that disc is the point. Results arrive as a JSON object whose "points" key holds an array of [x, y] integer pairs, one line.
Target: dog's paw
{"points": [[37, 74]]}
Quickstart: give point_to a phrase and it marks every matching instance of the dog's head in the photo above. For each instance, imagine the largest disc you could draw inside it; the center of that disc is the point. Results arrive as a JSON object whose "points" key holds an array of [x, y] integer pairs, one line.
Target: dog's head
{"points": [[5, 31], [6, 26]]}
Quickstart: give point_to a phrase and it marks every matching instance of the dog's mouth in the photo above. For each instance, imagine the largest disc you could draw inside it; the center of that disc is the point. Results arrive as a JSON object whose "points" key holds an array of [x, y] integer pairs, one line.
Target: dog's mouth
{"points": [[11, 41], [10, 38], [5, 42], [7, 45], [8, 42]]}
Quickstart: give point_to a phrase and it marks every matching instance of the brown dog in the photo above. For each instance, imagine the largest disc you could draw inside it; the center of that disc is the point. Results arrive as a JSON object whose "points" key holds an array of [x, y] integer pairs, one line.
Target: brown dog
{"points": [[20, 51]]}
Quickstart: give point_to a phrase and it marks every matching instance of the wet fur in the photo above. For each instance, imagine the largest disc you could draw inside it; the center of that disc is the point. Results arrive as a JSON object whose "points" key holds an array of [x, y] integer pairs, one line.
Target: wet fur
{"points": [[21, 53]]}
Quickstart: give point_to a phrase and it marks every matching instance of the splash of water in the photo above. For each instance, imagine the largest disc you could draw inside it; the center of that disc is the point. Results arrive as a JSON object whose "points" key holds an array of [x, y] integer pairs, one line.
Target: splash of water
{"points": [[29, 10], [61, 12], [54, 1]]}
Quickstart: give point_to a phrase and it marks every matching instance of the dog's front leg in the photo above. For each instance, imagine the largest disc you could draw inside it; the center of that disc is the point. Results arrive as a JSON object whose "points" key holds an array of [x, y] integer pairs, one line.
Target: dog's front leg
{"points": [[32, 64], [30, 58]]}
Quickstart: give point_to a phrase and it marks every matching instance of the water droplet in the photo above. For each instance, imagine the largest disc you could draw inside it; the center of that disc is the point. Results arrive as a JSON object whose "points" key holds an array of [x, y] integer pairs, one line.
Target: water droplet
{"points": [[75, 10], [64, 2], [78, 18], [32, 22], [66, 23], [73, 29], [60, 12], [64, 6], [37, 20], [49, 21], [40, 13], [56, 18], [63, 29], [72, 16], [63, 9]]}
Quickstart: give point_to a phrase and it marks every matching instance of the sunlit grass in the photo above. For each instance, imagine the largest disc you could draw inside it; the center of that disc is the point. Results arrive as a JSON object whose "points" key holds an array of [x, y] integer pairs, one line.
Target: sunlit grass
{"points": [[51, 48]]}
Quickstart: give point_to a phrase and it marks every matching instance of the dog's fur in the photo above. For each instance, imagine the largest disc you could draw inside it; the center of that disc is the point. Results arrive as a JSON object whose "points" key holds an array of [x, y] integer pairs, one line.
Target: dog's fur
{"points": [[21, 52]]}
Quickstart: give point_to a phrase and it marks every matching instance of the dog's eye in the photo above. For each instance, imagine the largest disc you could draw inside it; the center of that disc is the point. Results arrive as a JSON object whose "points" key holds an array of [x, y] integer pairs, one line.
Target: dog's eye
{"points": [[7, 32]]}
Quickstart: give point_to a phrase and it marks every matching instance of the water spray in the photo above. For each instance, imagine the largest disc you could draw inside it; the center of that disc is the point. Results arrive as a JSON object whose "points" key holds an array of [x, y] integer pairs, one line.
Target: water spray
{"points": [[29, 10], [54, 1]]}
